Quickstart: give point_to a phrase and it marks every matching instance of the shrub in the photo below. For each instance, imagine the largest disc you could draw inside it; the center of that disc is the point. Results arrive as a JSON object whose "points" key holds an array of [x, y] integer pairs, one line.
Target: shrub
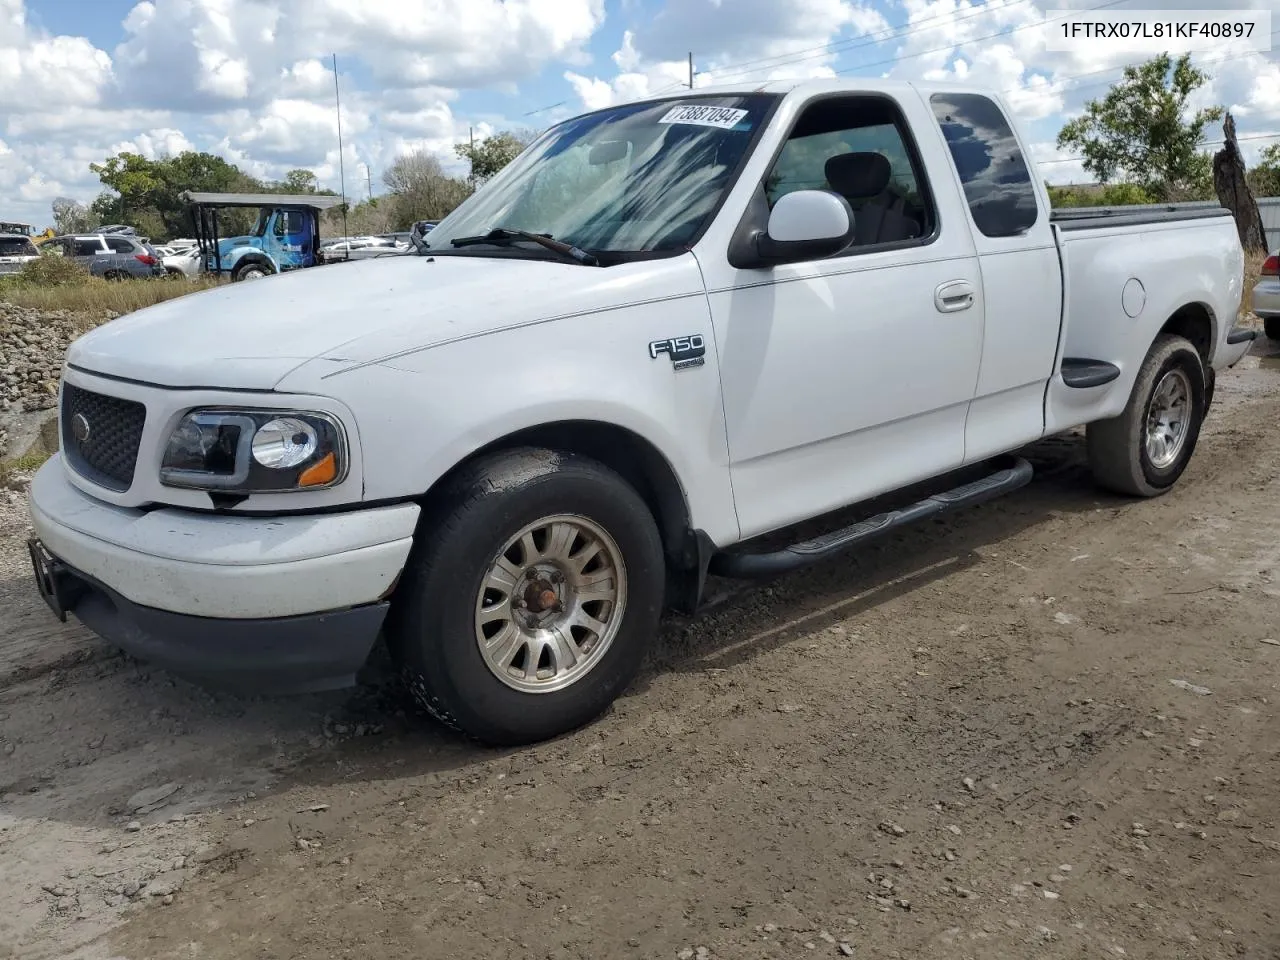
{"points": [[54, 270]]}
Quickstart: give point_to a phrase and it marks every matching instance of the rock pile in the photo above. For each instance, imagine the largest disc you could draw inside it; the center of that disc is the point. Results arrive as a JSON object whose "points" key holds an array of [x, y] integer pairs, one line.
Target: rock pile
{"points": [[32, 346]]}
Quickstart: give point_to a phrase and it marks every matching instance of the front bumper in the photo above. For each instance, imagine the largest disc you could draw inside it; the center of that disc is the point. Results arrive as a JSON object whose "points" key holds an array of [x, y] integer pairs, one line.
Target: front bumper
{"points": [[286, 602], [280, 655]]}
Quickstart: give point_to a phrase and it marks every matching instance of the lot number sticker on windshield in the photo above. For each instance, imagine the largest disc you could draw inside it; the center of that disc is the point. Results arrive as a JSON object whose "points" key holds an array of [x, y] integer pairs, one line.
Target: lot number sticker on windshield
{"points": [[722, 117]]}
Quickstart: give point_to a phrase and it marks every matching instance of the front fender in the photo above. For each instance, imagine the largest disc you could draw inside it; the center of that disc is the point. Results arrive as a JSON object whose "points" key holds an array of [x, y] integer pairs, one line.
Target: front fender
{"points": [[424, 413]]}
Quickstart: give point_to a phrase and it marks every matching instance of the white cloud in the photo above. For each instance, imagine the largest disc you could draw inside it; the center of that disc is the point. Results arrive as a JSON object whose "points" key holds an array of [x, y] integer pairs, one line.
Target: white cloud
{"points": [[40, 72], [753, 40], [452, 42]]}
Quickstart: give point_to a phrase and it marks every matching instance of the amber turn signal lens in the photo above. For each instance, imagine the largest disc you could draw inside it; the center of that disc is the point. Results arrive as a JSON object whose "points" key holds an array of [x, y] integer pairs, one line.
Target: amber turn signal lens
{"points": [[320, 473]]}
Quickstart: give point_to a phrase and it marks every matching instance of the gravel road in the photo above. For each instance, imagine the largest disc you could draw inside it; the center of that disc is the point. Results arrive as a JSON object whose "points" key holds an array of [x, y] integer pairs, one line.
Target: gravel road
{"points": [[1045, 727]]}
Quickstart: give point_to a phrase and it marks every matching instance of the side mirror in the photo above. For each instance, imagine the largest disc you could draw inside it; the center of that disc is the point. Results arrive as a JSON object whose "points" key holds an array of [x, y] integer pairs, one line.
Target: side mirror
{"points": [[806, 225]]}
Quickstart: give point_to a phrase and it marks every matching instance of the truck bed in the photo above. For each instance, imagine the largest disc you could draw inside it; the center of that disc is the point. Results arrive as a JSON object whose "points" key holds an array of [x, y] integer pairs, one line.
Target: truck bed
{"points": [[1092, 218], [1126, 273]]}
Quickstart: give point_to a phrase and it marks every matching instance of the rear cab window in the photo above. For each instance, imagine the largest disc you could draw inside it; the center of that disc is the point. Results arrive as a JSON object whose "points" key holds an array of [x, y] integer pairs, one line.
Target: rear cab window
{"points": [[861, 148], [993, 171]]}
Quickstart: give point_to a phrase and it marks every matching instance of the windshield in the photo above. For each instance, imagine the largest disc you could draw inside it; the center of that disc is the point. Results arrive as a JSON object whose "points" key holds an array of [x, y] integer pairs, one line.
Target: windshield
{"points": [[17, 247], [638, 178]]}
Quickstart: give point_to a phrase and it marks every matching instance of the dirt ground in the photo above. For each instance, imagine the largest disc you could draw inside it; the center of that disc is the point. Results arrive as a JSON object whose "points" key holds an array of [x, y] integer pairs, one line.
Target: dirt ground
{"points": [[1046, 727]]}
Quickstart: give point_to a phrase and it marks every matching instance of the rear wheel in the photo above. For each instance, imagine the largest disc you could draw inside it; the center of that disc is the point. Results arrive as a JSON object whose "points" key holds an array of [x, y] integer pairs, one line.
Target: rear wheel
{"points": [[1272, 327], [1144, 450], [115, 275], [530, 597]]}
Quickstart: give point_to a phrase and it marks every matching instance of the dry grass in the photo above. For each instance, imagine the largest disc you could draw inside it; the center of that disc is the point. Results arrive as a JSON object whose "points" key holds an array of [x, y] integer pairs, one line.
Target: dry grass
{"points": [[97, 297], [9, 469], [1252, 271]]}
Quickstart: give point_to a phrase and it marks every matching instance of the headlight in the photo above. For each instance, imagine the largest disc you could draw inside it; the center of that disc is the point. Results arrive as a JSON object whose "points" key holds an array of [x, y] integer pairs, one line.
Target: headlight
{"points": [[255, 451]]}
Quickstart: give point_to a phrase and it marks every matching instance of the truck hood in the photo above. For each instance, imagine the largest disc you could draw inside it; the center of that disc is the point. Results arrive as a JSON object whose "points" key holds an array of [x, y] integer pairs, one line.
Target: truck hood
{"points": [[250, 335]]}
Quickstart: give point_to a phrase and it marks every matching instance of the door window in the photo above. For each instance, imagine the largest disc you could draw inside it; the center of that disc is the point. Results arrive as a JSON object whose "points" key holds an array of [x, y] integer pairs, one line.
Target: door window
{"points": [[88, 247], [119, 244], [861, 149], [288, 222]]}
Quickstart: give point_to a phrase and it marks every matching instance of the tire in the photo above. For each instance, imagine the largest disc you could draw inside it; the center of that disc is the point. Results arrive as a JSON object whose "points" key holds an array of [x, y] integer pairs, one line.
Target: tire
{"points": [[1119, 455], [435, 626], [115, 276], [253, 270], [1272, 327]]}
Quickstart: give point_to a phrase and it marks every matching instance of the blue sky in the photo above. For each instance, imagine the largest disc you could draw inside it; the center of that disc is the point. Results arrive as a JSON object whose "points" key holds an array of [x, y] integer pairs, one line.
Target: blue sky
{"points": [[250, 79]]}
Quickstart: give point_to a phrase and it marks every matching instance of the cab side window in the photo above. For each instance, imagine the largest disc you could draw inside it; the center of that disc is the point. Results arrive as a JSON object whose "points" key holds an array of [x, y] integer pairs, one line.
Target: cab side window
{"points": [[997, 183], [861, 148]]}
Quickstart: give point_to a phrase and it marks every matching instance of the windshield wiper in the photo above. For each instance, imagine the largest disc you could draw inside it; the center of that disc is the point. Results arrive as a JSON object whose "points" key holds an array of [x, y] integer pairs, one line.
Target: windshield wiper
{"points": [[501, 235]]}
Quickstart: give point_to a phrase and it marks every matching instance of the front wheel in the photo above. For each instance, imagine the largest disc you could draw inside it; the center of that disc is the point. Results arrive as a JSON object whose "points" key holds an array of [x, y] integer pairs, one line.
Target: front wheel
{"points": [[530, 597], [1144, 450], [250, 271]]}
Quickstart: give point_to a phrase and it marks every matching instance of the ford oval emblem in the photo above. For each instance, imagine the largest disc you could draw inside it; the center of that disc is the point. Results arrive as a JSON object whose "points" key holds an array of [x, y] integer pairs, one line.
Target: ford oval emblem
{"points": [[80, 428]]}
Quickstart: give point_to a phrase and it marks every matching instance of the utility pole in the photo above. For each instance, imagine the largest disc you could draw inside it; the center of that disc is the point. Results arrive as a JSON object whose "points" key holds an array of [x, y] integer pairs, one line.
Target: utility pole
{"points": [[690, 69], [342, 170], [471, 157], [368, 175]]}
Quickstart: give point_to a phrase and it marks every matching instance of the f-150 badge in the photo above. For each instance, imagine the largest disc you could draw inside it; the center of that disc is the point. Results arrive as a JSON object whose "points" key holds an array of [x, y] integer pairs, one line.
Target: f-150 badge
{"points": [[690, 351]]}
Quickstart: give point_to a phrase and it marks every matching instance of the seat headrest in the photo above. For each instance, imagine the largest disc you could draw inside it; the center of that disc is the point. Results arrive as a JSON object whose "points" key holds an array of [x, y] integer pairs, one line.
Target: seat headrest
{"points": [[858, 174]]}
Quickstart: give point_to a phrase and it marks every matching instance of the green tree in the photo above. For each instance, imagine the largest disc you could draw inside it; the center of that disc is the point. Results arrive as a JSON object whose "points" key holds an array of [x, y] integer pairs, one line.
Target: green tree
{"points": [[147, 194], [299, 181], [1264, 179], [491, 154], [1137, 133]]}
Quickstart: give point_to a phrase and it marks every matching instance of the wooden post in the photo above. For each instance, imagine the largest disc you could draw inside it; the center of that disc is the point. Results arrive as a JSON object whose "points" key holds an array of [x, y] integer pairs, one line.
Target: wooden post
{"points": [[1232, 188]]}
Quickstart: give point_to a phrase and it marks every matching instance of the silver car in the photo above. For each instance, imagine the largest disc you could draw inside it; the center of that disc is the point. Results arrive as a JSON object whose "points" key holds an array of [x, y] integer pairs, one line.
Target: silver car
{"points": [[1266, 297]]}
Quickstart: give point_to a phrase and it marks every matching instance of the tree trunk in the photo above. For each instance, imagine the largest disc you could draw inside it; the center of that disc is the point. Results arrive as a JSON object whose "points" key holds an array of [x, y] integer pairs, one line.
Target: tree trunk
{"points": [[1233, 191]]}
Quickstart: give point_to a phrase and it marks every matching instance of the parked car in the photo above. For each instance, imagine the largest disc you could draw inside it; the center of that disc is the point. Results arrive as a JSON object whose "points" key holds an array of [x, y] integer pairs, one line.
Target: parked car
{"points": [[1266, 296], [508, 454], [16, 251], [183, 264], [108, 255], [361, 248]]}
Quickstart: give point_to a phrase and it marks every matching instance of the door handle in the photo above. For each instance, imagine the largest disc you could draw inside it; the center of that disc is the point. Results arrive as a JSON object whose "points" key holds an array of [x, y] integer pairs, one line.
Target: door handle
{"points": [[953, 295]]}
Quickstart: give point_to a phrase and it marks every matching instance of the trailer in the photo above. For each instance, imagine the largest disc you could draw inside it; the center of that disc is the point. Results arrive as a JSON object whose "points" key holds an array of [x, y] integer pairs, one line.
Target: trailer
{"points": [[286, 236]]}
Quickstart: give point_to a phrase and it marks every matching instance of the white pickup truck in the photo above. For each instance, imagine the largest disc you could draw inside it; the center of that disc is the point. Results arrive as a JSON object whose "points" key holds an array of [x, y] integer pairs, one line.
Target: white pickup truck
{"points": [[666, 329]]}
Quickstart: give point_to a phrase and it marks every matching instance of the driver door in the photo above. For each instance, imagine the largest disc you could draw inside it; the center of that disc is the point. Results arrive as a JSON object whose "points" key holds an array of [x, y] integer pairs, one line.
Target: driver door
{"points": [[850, 376]]}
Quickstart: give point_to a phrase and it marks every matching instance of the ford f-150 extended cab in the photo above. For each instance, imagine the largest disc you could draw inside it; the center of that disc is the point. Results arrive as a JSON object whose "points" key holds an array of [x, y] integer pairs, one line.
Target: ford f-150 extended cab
{"points": [[664, 331]]}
